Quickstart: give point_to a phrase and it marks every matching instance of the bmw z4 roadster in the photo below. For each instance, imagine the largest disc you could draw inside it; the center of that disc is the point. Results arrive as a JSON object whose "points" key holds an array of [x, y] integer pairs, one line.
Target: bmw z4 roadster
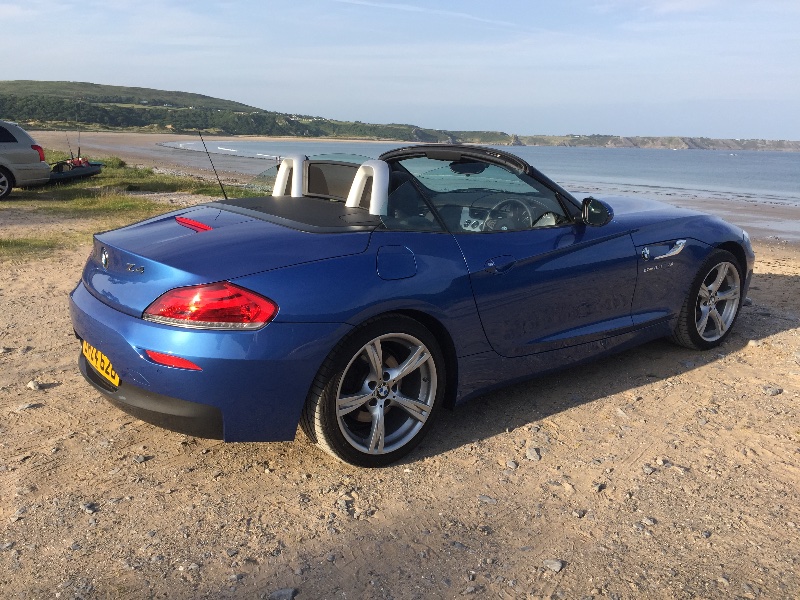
{"points": [[357, 297]]}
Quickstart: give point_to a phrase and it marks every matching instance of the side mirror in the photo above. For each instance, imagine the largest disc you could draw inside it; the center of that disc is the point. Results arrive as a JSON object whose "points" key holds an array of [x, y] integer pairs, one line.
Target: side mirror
{"points": [[596, 213]]}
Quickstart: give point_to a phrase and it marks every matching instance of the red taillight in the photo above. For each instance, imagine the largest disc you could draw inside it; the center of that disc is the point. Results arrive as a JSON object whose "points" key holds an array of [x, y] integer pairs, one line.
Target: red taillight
{"points": [[220, 305], [170, 360], [39, 150], [192, 224]]}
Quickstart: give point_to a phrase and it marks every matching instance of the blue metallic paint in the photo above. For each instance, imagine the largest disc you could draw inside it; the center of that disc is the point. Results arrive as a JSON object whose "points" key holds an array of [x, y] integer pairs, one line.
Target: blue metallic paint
{"points": [[513, 304], [259, 380]]}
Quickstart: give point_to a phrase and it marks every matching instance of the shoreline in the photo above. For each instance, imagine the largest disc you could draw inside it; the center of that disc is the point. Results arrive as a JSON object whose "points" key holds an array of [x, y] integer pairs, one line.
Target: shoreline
{"points": [[766, 220]]}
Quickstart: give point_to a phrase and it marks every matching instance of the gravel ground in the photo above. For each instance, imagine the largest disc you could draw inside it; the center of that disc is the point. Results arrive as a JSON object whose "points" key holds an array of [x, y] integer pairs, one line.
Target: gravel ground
{"points": [[657, 473]]}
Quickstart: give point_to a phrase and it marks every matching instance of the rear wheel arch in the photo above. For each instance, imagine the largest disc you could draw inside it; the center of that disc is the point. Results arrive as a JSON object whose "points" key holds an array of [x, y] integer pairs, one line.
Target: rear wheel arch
{"points": [[332, 432], [447, 347]]}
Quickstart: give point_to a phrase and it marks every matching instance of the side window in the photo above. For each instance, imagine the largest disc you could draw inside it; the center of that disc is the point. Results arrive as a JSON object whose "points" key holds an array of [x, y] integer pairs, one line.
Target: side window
{"points": [[472, 196], [407, 209], [6, 136]]}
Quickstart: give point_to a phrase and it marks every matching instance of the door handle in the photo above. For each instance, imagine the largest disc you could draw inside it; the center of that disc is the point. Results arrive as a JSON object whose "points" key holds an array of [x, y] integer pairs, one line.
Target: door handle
{"points": [[499, 264]]}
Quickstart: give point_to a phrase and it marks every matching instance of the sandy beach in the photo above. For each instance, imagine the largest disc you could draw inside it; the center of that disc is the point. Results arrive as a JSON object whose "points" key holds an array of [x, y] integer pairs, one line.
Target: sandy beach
{"points": [[763, 220], [656, 473]]}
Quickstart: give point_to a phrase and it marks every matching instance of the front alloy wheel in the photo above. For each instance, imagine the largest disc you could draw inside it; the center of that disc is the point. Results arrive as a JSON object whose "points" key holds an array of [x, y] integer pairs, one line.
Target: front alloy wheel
{"points": [[717, 302], [713, 303], [380, 391]]}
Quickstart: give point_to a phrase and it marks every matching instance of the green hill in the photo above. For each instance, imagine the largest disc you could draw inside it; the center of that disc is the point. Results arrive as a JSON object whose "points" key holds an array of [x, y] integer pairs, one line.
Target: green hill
{"points": [[64, 104], [68, 104]]}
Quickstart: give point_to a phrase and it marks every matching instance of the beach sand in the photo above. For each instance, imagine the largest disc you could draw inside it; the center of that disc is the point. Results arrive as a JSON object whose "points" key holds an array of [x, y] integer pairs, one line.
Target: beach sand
{"points": [[656, 473]]}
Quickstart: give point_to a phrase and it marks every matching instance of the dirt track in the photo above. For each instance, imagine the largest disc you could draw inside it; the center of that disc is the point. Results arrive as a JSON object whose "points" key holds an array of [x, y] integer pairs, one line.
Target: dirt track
{"points": [[658, 473]]}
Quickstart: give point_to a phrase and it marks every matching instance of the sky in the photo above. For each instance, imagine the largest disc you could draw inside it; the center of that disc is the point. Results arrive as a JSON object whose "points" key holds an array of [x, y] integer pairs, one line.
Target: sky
{"points": [[711, 68]]}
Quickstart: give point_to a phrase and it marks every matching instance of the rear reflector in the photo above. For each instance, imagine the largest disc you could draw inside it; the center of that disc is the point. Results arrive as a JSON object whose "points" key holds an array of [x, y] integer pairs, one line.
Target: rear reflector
{"points": [[192, 224], [170, 360], [221, 305]]}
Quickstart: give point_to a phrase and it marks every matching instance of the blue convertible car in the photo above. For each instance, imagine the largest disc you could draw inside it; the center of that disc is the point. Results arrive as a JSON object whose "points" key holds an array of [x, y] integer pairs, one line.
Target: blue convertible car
{"points": [[357, 297]]}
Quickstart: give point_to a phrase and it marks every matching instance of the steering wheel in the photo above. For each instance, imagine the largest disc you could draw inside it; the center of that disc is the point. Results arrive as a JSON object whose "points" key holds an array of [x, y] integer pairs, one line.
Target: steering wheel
{"points": [[548, 219], [517, 212]]}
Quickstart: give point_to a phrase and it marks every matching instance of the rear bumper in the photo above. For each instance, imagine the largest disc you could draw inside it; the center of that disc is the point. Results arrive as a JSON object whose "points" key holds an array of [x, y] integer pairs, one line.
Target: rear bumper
{"points": [[252, 385], [191, 418], [30, 175]]}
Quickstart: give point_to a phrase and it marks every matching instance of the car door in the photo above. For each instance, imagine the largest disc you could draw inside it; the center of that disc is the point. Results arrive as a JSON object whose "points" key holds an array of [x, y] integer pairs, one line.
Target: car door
{"points": [[547, 288], [541, 278]]}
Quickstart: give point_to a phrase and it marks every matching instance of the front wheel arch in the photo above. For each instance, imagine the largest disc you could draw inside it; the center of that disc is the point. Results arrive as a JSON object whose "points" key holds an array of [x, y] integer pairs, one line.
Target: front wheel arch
{"points": [[712, 298]]}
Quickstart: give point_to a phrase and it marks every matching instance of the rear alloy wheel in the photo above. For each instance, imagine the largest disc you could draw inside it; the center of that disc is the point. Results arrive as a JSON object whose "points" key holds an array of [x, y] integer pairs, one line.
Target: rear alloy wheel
{"points": [[713, 303], [6, 183], [377, 393]]}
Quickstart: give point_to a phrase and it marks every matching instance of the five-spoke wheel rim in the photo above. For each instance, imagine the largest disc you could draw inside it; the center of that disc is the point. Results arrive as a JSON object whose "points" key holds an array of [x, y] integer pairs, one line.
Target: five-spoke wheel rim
{"points": [[386, 393], [717, 301]]}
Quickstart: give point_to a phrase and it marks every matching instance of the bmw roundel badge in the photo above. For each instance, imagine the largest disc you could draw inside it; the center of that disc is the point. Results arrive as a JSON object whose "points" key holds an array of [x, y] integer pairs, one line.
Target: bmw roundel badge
{"points": [[104, 258]]}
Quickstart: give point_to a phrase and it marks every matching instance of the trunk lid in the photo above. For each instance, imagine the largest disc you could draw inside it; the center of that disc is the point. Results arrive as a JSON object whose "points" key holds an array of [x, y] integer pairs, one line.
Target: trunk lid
{"points": [[130, 267]]}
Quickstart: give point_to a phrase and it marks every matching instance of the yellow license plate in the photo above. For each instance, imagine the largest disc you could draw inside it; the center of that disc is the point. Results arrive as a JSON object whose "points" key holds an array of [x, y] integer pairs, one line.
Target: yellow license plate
{"points": [[100, 362]]}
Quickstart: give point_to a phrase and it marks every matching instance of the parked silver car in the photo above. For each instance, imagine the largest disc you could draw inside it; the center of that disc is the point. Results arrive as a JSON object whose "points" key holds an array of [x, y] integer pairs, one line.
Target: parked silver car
{"points": [[22, 161]]}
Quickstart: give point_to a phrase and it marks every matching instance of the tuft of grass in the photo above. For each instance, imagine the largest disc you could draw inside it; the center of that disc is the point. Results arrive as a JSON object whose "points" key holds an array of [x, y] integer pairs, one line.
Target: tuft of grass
{"points": [[105, 201], [13, 247], [107, 204]]}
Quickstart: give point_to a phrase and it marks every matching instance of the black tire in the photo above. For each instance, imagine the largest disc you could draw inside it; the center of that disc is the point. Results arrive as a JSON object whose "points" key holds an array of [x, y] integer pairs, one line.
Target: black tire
{"points": [[713, 303], [6, 182], [350, 405]]}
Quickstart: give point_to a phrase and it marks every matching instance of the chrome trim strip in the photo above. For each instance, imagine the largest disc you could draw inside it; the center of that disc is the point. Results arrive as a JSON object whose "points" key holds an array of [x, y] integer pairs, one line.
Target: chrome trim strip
{"points": [[675, 250]]}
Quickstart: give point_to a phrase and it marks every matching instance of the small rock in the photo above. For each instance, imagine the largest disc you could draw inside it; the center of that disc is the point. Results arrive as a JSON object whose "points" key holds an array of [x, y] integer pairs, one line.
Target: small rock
{"points": [[470, 590], [284, 594], [236, 577], [231, 552], [89, 507], [649, 521], [706, 534], [533, 454], [553, 564], [140, 458], [598, 487], [512, 464], [330, 557], [648, 470], [748, 301], [34, 385], [6, 546], [487, 499], [75, 546], [579, 513], [663, 462], [772, 391], [754, 343], [458, 546]]}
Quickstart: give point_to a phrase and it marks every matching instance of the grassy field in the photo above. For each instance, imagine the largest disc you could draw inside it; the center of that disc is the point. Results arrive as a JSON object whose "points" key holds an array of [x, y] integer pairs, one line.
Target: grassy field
{"points": [[114, 198]]}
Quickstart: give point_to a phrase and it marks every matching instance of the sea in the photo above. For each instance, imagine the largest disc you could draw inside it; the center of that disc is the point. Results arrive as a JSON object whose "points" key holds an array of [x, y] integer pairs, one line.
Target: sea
{"points": [[752, 176]]}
